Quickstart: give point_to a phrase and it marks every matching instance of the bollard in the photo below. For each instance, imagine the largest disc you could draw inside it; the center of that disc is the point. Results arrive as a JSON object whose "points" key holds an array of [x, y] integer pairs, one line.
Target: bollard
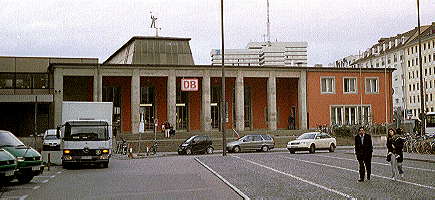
{"points": [[49, 162]]}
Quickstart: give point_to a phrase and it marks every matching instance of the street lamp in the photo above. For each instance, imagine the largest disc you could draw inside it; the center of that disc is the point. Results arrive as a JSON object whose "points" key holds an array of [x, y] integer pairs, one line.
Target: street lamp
{"points": [[422, 106], [223, 105]]}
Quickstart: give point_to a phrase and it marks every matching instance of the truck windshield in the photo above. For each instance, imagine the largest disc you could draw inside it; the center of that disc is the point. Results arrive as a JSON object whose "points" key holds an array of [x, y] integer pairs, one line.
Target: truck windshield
{"points": [[430, 120], [86, 131], [7, 139]]}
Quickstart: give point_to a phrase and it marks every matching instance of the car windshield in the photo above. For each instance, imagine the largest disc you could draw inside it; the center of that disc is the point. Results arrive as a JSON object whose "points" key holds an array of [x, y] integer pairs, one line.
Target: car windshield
{"points": [[189, 139], [50, 137], [7, 139], [86, 131], [307, 136]]}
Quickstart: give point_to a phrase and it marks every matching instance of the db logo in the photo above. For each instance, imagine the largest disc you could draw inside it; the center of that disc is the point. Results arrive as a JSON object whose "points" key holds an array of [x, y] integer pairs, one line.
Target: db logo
{"points": [[189, 84]]}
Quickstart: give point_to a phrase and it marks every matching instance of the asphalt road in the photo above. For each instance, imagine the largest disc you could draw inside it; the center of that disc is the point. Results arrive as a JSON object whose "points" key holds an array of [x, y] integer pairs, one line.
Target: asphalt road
{"points": [[282, 175], [273, 175]]}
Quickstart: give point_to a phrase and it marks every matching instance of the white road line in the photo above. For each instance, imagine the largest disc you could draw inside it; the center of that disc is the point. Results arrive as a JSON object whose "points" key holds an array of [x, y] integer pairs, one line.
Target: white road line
{"points": [[13, 197], [243, 195], [44, 181], [46, 176], [36, 187], [416, 168], [23, 197], [398, 180], [298, 178]]}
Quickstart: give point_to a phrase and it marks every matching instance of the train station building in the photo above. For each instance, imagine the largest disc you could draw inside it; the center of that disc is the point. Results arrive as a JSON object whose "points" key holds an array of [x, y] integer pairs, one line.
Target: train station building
{"points": [[154, 79]]}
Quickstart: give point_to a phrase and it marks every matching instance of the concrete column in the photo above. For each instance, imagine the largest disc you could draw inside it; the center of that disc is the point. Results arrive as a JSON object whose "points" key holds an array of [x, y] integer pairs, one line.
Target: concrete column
{"points": [[271, 101], [172, 98], [98, 86], [58, 96], [240, 103], [302, 100], [135, 101], [206, 107]]}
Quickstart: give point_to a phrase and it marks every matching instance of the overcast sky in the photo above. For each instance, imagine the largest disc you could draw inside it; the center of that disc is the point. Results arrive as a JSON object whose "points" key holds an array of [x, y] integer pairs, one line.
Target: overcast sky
{"points": [[97, 28]]}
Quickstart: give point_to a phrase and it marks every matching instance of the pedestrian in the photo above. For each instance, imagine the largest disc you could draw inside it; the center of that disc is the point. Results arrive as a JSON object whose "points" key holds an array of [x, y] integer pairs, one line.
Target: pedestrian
{"points": [[395, 151], [363, 151], [167, 129]]}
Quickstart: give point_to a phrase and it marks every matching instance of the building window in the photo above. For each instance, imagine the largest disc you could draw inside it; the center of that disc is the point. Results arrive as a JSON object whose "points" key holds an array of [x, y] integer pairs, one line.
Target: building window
{"points": [[350, 114], [40, 81], [372, 85], [327, 85], [349, 85], [6, 80], [23, 81]]}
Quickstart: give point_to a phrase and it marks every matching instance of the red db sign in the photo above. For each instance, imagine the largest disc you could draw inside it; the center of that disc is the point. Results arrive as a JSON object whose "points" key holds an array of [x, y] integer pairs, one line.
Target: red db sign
{"points": [[190, 84]]}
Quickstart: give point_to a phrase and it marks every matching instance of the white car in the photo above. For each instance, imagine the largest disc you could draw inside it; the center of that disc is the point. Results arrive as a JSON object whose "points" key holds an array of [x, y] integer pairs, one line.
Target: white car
{"points": [[51, 142], [311, 142]]}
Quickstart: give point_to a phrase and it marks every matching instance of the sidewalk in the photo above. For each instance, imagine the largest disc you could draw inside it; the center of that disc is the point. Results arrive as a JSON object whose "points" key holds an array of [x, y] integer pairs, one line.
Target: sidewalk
{"points": [[378, 151]]}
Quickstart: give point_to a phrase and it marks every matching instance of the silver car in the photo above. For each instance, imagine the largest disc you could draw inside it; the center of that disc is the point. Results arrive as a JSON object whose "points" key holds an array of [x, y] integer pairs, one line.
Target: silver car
{"points": [[251, 142]]}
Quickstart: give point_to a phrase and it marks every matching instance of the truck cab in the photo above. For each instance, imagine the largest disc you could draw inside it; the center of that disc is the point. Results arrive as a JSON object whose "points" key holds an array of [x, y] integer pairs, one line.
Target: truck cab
{"points": [[86, 133], [86, 141]]}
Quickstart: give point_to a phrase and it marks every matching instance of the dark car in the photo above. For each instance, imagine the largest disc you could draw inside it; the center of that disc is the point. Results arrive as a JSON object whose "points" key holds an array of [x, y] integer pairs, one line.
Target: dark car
{"points": [[256, 142], [196, 144]]}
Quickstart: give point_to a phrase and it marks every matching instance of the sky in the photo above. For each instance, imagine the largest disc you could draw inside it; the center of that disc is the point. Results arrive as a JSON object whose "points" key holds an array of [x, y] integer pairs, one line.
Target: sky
{"points": [[97, 28]]}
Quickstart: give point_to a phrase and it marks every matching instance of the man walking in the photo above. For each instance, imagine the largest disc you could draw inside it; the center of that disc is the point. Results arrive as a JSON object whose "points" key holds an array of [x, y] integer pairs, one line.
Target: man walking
{"points": [[363, 151]]}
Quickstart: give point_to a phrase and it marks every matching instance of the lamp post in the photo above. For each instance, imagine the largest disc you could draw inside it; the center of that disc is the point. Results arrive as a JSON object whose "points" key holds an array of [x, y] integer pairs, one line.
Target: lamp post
{"points": [[422, 106], [223, 104]]}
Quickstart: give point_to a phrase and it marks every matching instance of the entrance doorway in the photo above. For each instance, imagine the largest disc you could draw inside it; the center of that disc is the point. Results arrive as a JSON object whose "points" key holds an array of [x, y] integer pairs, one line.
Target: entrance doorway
{"points": [[182, 108], [147, 107]]}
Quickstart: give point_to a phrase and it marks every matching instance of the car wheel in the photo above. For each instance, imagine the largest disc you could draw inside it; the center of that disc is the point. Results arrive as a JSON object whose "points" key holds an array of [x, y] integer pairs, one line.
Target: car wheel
{"points": [[210, 150], [332, 147], [292, 151], [24, 178], [188, 151], [264, 148], [312, 148], [236, 149]]}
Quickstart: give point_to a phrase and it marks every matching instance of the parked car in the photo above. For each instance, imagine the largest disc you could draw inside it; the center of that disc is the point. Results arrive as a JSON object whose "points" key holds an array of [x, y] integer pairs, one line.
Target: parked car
{"points": [[51, 141], [196, 144], [258, 142], [311, 142], [8, 164], [29, 161]]}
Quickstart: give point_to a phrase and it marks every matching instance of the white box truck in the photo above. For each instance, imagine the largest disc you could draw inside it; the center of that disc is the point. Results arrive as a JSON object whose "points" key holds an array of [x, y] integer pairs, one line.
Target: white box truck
{"points": [[86, 133]]}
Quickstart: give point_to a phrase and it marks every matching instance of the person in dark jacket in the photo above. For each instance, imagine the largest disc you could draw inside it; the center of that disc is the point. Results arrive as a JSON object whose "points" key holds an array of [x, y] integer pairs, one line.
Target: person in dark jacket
{"points": [[395, 151], [363, 151]]}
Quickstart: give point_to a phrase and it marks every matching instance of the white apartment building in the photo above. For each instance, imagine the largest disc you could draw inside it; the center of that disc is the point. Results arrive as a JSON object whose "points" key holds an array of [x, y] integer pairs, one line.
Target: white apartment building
{"points": [[389, 53], [412, 72], [346, 62], [284, 54]]}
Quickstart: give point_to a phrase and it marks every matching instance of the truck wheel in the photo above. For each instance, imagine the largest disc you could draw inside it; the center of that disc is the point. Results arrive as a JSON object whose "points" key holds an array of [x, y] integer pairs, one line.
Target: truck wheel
{"points": [[24, 178]]}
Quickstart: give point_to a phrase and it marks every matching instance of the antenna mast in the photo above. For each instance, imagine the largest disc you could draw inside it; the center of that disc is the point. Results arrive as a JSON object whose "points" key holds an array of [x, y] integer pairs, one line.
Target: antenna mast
{"points": [[268, 24]]}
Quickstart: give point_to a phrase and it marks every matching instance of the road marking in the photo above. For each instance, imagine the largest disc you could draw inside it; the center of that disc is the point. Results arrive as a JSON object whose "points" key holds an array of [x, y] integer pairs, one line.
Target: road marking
{"points": [[333, 166], [416, 168], [239, 192], [13, 197], [21, 187], [60, 172], [298, 178], [36, 187], [46, 176], [44, 181], [23, 197]]}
